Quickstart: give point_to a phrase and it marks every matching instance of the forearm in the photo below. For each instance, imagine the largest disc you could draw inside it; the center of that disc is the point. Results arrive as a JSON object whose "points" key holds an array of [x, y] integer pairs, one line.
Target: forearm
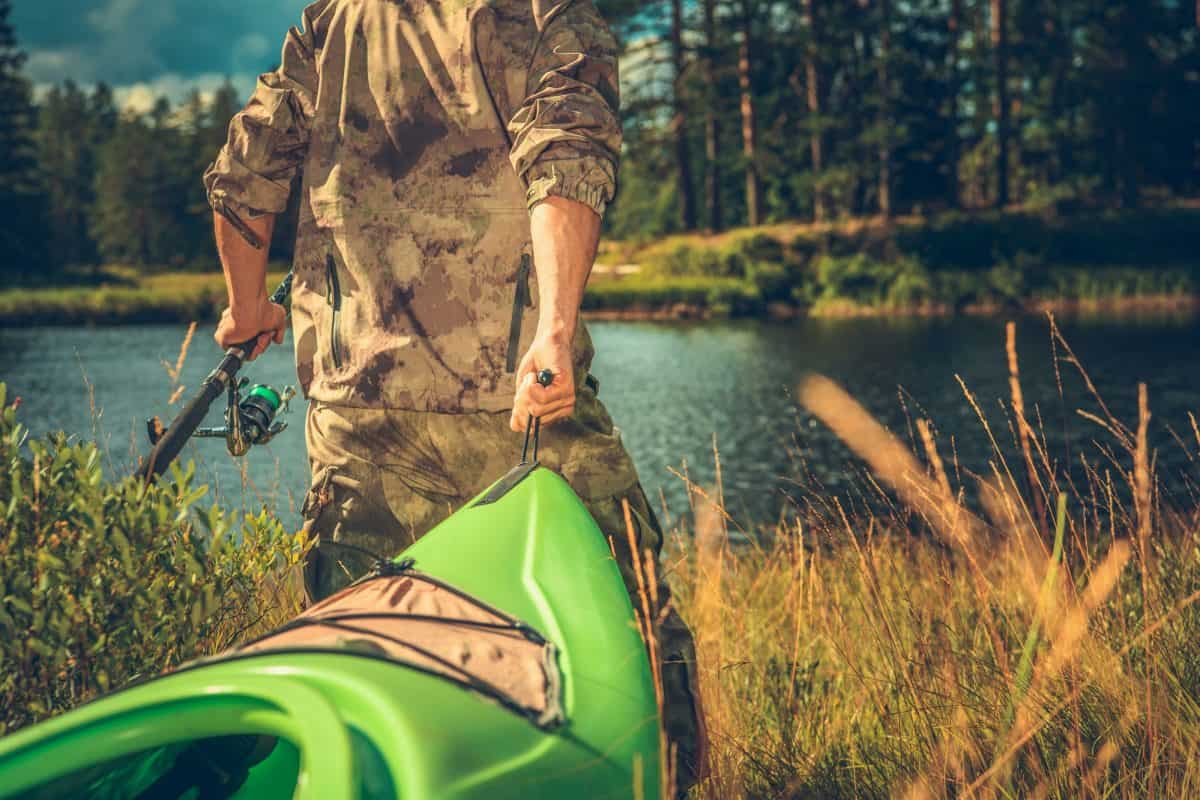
{"points": [[565, 237], [244, 265]]}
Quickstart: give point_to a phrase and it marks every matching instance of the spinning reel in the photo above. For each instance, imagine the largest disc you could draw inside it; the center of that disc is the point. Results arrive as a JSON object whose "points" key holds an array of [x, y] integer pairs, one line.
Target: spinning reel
{"points": [[249, 420]]}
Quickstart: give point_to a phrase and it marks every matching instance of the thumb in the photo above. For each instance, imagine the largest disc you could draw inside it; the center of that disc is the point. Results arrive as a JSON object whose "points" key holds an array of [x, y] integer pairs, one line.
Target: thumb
{"points": [[280, 322]]}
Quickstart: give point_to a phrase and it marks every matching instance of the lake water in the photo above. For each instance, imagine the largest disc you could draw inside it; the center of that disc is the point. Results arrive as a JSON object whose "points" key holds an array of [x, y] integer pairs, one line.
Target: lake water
{"points": [[671, 388]]}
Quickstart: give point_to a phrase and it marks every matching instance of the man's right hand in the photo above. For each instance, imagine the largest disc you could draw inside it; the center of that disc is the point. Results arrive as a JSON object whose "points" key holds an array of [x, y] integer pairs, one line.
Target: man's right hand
{"points": [[553, 402], [266, 320]]}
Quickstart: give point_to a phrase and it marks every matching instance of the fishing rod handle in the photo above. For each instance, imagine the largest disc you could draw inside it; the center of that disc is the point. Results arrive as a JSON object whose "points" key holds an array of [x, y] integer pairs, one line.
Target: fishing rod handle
{"points": [[176, 436]]}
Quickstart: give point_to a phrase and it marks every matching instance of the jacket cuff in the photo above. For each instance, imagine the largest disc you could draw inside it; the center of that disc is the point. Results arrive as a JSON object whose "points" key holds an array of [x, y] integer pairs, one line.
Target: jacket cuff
{"points": [[590, 181], [232, 185]]}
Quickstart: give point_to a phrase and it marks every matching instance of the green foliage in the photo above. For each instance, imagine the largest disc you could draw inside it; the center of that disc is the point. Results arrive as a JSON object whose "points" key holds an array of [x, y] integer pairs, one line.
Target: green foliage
{"points": [[980, 241], [71, 127], [868, 282], [954, 260], [719, 296], [108, 581]]}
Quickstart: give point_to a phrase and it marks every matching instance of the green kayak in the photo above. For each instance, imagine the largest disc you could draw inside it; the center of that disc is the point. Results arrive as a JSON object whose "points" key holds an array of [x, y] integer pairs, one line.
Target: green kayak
{"points": [[498, 657]]}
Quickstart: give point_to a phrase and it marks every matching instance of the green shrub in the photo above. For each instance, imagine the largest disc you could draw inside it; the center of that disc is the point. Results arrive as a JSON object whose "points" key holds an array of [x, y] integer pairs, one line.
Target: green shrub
{"points": [[979, 241], [733, 298], [678, 260], [105, 581], [1011, 281], [771, 280], [758, 247], [911, 284]]}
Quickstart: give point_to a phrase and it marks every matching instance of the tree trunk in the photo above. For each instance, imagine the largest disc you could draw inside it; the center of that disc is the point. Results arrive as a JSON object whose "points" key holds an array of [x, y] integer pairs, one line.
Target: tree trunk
{"points": [[1000, 111], [813, 98], [712, 148], [683, 160], [953, 143], [885, 109], [749, 128]]}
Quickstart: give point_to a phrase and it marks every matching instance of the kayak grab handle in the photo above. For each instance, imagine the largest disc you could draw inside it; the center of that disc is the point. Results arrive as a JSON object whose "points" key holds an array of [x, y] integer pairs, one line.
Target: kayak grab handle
{"points": [[545, 378]]}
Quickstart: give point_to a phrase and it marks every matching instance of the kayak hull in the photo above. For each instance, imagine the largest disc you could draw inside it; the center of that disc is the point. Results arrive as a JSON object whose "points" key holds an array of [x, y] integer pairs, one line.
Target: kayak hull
{"points": [[355, 726]]}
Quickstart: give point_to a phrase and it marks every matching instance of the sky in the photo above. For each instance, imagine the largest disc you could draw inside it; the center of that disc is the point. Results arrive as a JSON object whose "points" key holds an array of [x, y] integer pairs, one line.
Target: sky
{"points": [[148, 48]]}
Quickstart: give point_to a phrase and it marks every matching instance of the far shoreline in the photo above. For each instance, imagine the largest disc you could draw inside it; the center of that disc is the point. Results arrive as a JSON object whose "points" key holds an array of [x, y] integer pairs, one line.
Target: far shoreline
{"points": [[1116, 307], [71, 308]]}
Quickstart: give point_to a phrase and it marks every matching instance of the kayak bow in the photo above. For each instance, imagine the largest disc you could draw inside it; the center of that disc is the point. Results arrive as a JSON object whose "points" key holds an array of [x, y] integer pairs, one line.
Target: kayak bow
{"points": [[358, 715]]}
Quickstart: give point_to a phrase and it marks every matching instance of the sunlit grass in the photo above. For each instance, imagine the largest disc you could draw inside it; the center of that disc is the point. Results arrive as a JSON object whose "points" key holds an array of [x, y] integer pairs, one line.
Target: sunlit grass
{"points": [[946, 647], [122, 295]]}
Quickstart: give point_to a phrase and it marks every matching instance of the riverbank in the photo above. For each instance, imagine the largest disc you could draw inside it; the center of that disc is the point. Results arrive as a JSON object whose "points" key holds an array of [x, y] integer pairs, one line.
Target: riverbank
{"points": [[992, 263], [986, 263], [186, 297]]}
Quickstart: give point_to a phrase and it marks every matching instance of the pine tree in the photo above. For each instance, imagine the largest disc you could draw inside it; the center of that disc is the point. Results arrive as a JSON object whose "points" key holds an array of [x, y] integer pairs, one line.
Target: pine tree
{"points": [[67, 137], [712, 131], [812, 97], [23, 235], [999, 40], [679, 119], [746, 52], [882, 58]]}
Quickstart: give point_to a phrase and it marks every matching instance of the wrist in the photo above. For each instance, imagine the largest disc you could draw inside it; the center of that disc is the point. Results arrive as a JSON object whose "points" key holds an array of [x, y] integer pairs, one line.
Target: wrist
{"points": [[247, 310], [557, 330]]}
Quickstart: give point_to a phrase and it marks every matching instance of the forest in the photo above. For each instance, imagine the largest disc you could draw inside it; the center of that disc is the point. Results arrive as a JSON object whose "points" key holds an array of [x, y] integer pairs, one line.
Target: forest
{"points": [[736, 114]]}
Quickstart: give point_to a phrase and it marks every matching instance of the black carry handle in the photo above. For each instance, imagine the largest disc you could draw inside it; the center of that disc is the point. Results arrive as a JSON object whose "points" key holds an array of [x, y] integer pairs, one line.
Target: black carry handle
{"points": [[545, 378], [172, 441]]}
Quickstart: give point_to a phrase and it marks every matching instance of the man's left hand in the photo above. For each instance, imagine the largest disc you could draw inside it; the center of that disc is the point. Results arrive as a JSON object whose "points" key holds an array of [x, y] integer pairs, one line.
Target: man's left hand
{"points": [[553, 402]]}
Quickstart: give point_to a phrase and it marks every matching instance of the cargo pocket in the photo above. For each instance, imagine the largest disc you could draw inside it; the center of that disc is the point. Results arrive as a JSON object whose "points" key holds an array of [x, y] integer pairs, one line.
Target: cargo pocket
{"points": [[330, 565]]}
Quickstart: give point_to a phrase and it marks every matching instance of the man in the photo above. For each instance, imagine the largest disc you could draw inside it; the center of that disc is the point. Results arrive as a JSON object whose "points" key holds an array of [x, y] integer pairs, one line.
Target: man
{"points": [[456, 160]]}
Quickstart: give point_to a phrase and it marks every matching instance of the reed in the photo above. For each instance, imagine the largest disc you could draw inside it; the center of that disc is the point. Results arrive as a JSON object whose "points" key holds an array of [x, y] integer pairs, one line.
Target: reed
{"points": [[960, 642]]}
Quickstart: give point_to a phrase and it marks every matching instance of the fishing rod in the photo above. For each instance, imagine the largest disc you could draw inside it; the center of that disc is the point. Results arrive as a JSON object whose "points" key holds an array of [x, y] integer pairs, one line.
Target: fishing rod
{"points": [[248, 421]]}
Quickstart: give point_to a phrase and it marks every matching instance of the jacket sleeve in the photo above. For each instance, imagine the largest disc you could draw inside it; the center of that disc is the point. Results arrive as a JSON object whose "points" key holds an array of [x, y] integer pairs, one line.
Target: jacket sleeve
{"points": [[566, 135], [268, 139]]}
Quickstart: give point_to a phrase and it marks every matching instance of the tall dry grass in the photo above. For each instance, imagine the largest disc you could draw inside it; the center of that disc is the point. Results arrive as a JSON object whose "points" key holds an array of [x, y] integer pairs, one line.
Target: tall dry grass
{"points": [[1030, 632]]}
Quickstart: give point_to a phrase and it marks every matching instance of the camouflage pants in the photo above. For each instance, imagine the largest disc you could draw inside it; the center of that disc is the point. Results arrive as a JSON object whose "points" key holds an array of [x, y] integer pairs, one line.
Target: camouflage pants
{"points": [[382, 478]]}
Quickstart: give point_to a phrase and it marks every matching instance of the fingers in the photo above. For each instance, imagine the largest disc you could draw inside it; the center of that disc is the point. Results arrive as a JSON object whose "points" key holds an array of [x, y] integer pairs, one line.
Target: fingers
{"points": [[260, 345], [271, 328], [281, 321], [550, 403]]}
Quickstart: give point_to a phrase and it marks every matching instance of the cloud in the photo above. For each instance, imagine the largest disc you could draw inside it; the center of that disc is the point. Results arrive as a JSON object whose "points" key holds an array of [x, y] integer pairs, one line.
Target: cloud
{"points": [[127, 43], [140, 97]]}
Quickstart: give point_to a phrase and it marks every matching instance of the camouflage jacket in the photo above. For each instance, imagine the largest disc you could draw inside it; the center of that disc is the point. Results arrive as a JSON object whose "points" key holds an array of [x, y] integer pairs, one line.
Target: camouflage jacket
{"points": [[424, 131]]}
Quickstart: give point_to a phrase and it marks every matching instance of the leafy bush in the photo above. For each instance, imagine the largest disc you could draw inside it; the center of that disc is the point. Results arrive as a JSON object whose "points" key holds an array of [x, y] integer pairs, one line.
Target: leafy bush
{"points": [[911, 283], [104, 581], [717, 296], [771, 280], [865, 281], [979, 241]]}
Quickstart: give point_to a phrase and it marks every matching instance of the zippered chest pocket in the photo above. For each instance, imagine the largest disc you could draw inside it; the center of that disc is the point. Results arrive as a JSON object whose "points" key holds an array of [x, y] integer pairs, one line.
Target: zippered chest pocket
{"points": [[522, 299], [333, 296]]}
